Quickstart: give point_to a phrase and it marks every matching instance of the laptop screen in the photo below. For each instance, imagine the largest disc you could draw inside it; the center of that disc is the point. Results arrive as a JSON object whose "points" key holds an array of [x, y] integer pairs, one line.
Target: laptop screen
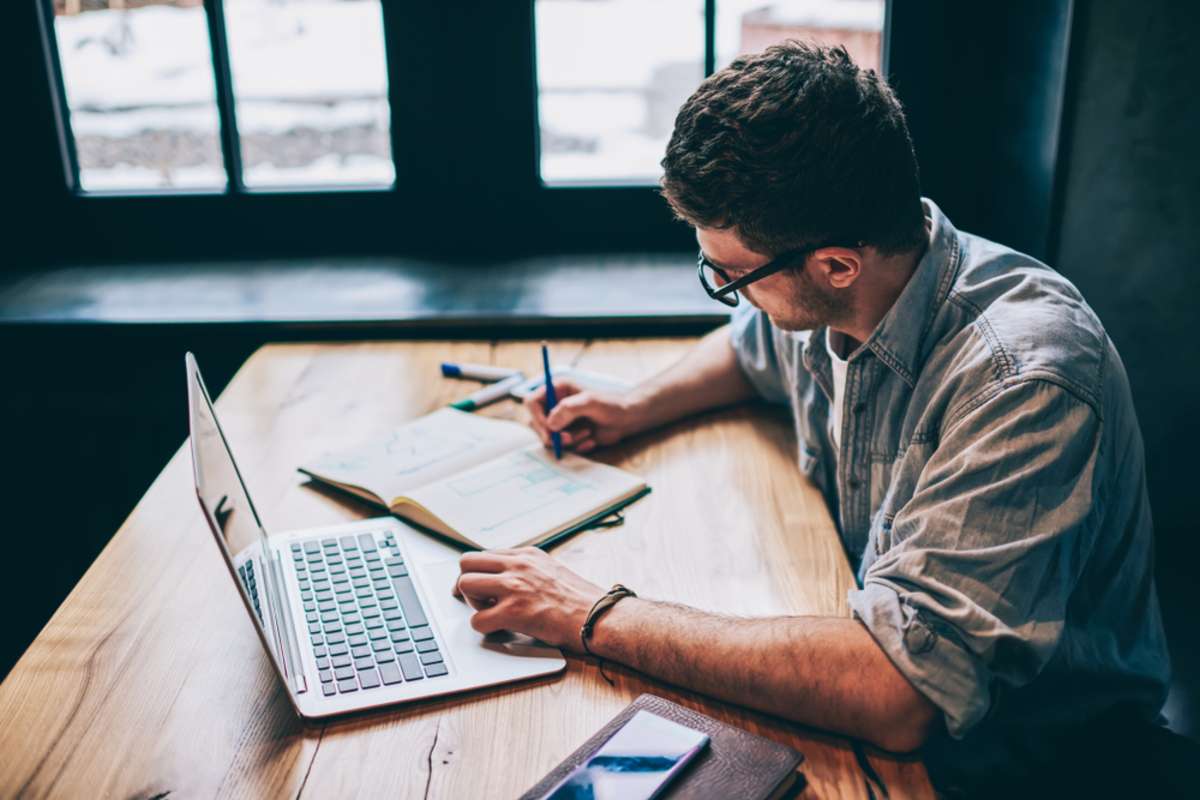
{"points": [[227, 505]]}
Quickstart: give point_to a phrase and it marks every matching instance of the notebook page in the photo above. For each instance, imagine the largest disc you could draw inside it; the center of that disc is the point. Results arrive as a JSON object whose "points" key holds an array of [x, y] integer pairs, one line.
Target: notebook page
{"points": [[422, 451], [523, 495]]}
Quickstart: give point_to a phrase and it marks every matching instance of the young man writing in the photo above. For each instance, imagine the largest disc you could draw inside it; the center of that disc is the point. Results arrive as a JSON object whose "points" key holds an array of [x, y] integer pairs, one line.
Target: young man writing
{"points": [[959, 405]]}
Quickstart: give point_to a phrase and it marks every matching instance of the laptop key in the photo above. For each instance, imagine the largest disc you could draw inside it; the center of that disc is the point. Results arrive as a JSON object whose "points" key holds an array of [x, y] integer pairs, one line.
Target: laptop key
{"points": [[366, 541], [390, 673], [338, 649], [435, 670], [343, 673], [358, 640], [361, 651], [385, 655], [377, 633], [369, 678], [403, 647], [336, 637], [431, 658], [348, 542], [322, 663], [408, 601], [364, 663], [420, 633], [348, 686], [427, 646], [381, 644], [326, 675], [314, 628], [319, 652], [397, 571], [328, 689], [374, 622], [341, 661], [312, 547], [318, 640], [393, 614], [411, 667]]}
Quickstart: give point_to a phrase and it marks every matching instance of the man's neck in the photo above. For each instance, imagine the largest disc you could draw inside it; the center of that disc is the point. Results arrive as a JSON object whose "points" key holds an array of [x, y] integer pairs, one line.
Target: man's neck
{"points": [[885, 278]]}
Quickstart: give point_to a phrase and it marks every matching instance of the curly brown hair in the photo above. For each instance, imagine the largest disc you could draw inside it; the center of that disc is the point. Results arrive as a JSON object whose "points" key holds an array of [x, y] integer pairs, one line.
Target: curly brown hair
{"points": [[796, 148]]}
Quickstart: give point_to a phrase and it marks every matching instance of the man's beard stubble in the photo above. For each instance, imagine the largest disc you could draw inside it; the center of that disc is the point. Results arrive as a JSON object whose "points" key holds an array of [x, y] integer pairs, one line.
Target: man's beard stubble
{"points": [[812, 306]]}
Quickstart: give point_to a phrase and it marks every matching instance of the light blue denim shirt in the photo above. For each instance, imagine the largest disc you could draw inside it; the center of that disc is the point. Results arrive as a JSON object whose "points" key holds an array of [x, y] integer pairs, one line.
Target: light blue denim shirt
{"points": [[989, 490]]}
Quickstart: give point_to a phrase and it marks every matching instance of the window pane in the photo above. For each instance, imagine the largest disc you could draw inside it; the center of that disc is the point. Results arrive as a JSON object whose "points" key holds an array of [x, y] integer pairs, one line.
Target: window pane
{"points": [[611, 77], [748, 26], [310, 81], [139, 82]]}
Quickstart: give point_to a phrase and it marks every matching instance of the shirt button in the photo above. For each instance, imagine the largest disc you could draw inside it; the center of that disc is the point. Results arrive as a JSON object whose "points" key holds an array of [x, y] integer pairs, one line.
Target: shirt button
{"points": [[855, 484]]}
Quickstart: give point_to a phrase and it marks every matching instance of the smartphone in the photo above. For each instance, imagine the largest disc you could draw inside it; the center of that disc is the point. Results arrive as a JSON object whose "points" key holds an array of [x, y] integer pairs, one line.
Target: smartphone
{"points": [[636, 763]]}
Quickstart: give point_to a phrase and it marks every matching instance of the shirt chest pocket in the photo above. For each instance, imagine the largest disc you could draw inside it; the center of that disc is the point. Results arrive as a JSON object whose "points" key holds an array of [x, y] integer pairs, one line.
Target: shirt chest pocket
{"points": [[893, 483]]}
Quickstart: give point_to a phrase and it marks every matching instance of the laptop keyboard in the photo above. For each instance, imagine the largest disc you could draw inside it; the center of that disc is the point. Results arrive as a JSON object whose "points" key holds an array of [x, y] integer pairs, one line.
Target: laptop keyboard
{"points": [[365, 624], [247, 572]]}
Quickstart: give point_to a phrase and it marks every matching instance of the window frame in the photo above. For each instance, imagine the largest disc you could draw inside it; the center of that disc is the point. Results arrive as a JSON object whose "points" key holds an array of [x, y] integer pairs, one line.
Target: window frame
{"points": [[457, 195]]}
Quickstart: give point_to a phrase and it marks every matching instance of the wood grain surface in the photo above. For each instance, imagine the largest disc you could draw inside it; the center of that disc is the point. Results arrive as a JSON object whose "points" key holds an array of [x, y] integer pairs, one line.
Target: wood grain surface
{"points": [[149, 678]]}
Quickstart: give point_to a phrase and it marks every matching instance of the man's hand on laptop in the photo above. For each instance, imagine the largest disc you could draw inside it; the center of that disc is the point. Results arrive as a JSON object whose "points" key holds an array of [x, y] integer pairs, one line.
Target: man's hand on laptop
{"points": [[586, 419], [526, 591]]}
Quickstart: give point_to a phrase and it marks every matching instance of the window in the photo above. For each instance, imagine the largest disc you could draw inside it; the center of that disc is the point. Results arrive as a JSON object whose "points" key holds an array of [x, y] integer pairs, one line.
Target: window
{"points": [[310, 83], [139, 83], [612, 74], [611, 77], [307, 78], [450, 130], [748, 26]]}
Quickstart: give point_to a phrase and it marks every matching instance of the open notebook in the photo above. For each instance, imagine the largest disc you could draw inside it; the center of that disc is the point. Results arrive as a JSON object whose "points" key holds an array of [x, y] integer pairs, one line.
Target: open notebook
{"points": [[483, 482]]}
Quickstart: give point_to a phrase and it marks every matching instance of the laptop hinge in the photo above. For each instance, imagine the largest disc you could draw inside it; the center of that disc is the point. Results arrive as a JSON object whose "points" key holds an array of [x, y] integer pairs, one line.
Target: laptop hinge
{"points": [[291, 650]]}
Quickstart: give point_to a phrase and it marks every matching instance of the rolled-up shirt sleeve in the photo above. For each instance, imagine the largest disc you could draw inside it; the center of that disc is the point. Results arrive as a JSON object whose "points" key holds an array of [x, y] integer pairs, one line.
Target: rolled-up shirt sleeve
{"points": [[754, 344], [984, 556]]}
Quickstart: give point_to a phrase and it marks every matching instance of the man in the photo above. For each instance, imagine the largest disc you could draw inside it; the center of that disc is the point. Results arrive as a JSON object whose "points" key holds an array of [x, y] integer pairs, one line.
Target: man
{"points": [[961, 408]]}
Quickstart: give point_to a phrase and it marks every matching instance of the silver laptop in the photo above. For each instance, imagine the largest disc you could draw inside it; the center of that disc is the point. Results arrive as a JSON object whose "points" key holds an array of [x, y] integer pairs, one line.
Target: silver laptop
{"points": [[349, 619]]}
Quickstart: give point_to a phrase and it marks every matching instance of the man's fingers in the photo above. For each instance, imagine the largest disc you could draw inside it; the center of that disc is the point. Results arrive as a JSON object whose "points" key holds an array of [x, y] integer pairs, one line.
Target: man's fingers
{"points": [[569, 410], [484, 561], [493, 619], [577, 433], [586, 446], [481, 585]]}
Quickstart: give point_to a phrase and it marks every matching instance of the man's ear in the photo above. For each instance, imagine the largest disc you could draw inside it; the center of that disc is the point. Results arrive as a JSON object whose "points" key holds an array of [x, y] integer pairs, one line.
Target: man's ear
{"points": [[839, 266]]}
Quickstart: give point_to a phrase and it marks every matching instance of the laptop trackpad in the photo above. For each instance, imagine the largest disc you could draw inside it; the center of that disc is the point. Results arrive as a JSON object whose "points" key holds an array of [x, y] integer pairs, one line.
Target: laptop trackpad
{"points": [[454, 615]]}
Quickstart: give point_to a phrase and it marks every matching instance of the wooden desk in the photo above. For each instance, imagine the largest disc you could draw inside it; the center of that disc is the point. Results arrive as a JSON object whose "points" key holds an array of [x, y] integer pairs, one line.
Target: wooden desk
{"points": [[149, 679]]}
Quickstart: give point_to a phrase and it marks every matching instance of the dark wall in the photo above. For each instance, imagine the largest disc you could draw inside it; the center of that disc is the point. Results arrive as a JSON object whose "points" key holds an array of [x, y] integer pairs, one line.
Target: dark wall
{"points": [[1130, 239], [1130, 230]]}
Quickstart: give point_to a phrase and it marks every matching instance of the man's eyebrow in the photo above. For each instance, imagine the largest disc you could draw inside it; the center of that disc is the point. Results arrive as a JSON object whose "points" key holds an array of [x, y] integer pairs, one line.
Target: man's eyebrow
{"points": [[716, 263]]}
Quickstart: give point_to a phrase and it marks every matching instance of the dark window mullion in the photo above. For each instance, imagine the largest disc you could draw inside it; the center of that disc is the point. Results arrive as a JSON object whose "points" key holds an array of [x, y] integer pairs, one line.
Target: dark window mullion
{"points": [[223, 76], [710, 37], [66, 137]]}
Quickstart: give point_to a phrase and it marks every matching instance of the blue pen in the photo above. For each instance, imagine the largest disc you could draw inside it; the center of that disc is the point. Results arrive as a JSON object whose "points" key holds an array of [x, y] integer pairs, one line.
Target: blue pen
{"points": [[551, 401]]}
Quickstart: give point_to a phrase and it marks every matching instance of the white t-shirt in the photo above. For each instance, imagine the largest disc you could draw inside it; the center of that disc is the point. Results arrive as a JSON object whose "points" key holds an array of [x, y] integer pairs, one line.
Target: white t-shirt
{"points": [[839, 390]]}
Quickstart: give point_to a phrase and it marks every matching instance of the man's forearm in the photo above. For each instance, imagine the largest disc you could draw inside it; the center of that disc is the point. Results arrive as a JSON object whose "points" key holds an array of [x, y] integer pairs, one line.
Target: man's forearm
{"points": [[821, 671], [707, 377]]}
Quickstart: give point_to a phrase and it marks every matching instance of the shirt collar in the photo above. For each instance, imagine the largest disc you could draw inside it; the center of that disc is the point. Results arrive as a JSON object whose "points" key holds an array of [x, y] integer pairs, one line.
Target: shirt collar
{"points": [[898, 338]]}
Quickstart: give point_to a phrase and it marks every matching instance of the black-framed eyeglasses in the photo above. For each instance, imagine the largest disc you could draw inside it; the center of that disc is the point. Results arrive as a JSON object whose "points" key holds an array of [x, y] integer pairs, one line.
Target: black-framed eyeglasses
{"points": [[727, 293]]}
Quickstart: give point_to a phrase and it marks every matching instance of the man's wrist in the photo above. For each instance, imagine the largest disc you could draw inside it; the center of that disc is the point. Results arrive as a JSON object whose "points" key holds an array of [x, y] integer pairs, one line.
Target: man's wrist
{"points": [[610, 634]]}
